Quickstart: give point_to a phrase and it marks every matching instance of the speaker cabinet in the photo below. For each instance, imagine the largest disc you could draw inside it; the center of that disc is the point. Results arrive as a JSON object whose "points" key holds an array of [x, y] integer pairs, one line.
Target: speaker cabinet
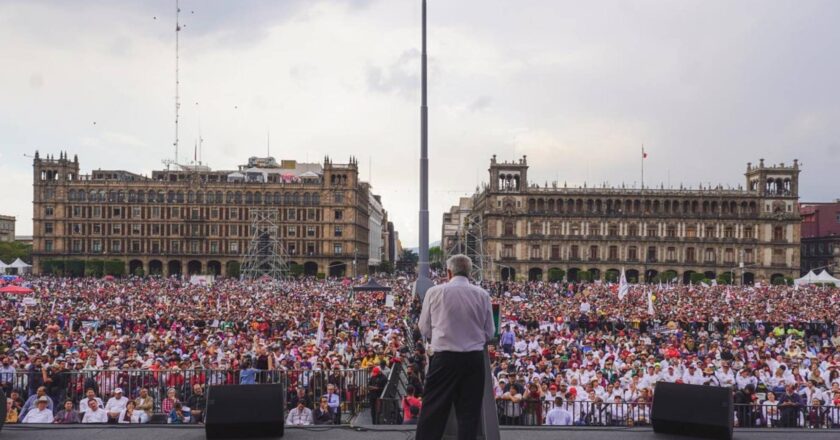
{"points": [[2, 408], [244, 411], [693, 410]]}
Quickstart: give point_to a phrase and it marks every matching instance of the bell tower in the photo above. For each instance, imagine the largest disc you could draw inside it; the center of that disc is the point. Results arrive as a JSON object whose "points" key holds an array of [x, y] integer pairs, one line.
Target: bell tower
{"points": [[509, 177]]}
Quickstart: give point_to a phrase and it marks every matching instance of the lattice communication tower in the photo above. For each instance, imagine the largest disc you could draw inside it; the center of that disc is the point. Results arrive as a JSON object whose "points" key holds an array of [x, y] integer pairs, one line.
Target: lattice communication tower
{"points": [[265, 255], [470, 242]]}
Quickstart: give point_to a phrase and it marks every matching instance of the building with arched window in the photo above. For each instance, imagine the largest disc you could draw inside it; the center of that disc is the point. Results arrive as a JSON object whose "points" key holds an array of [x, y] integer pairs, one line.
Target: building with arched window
{"points": [[191, 219], [554, 232]]}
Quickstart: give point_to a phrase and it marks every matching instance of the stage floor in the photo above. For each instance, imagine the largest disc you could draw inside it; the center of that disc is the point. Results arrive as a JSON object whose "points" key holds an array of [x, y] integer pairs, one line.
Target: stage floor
{"points": [[147, 432]]}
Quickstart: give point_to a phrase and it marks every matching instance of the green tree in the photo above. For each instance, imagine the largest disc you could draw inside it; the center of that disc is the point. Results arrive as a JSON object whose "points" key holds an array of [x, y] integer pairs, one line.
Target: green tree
{"points": [[233, 269], [385, 266], [435, 258], [408, 261], [12, 250], [555, 274]]}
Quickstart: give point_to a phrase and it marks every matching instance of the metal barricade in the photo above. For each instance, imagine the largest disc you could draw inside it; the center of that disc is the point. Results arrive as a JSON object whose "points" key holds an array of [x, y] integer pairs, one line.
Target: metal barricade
{"points": [[351, 385]]}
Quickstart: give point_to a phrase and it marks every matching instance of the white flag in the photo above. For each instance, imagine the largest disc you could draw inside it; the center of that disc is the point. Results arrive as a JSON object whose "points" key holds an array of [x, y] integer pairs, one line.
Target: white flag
{"points": [[320, 334], [650, 303], [623, 287]]}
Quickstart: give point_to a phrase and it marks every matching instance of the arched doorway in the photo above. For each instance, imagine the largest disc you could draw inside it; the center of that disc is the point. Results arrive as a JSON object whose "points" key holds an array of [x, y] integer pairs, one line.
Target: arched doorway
{"points": [[310, 268], [214, 267], [194, 267], [710, 275], [612, 275], [155, 267], [574, 275], [749, 278], [777, 279], [535, 274], [632, 276], [135, 267], [174, 267], [725, 278], [650, 275], [594, 274], [687, 276], [337, 269], [508, 274]]}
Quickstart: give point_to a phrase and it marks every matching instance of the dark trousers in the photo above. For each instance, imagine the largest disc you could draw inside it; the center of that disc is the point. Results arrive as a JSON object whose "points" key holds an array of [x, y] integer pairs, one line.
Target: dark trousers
{"points": [[454, 378]]}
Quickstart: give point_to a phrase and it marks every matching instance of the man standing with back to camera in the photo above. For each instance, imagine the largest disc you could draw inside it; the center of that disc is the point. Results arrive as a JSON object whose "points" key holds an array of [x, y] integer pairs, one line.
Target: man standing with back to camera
{"points": [[458, 319]]}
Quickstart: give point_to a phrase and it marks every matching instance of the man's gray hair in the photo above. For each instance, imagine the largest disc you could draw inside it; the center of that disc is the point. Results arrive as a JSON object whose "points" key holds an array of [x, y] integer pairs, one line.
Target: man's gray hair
{"points": [[459, 265]]}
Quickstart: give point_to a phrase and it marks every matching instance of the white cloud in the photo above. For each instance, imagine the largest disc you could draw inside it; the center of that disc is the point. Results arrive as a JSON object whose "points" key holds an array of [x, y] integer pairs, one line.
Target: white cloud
{"points": [[707, 86]]}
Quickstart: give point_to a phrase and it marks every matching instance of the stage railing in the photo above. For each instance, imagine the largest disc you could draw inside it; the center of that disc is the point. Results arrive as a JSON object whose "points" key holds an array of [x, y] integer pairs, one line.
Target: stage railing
{"points": [[587, 413]]}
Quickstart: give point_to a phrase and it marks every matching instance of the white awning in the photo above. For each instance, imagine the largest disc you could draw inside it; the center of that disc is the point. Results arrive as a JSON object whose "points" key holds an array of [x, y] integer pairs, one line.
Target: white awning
{"points": [[19, 264]]}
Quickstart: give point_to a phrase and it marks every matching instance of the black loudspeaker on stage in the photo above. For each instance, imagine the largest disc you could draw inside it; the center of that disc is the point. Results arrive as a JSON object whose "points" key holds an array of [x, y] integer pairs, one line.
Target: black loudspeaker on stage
{"points": [[2, 408], [693, 410], [244, 411]]}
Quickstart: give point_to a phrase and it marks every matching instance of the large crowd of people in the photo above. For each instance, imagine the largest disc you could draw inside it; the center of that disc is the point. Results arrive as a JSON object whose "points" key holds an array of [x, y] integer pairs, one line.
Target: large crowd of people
{"points": [[579, 354], [131, 350], [84, 339]]}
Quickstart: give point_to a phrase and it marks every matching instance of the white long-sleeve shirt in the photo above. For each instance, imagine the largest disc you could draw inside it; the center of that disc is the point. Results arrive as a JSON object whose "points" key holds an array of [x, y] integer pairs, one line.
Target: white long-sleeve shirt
{"points": [[558, 417], [457, 316], [116, 405], [98, 416], [38, 416], [298, 417]]}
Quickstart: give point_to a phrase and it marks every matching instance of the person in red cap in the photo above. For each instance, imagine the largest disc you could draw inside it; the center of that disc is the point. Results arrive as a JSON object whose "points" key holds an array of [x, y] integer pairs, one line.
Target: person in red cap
{"points": [[376, 384]]}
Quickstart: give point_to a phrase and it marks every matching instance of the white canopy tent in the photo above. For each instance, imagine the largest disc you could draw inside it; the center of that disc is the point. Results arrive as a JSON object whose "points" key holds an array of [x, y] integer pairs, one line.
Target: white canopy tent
{"points": [[825, 277], [20, 265], [3, 267], [808, 278]]}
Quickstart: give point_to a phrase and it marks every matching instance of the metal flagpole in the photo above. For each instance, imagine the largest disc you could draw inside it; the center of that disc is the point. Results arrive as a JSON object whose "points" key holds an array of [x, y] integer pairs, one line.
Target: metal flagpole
{"points": [[423, 281], [643, 166]]}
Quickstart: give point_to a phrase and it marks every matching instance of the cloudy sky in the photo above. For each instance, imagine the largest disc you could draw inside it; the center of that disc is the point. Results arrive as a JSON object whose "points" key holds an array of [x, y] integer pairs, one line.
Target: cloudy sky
{"points": [[577, 86]]}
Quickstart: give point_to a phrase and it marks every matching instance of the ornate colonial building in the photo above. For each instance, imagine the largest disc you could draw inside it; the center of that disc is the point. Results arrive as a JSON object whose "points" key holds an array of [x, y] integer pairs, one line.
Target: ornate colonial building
{"points": [[194, 220], [553, 232]]}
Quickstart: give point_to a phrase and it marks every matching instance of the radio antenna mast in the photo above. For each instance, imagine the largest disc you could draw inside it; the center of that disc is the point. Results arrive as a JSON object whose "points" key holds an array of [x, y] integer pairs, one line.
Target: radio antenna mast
{"points": [[177, 83]]}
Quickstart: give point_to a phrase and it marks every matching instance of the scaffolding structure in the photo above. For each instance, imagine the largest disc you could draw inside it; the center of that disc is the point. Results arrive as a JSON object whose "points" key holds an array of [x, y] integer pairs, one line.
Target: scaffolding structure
{"points": [[265, 255], [470, 242]]}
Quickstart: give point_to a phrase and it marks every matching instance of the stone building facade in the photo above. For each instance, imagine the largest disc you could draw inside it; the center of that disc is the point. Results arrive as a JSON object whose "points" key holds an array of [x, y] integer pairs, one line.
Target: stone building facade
{"points": [[554, 232], [193, 220], [7, 228], [821, 237]]}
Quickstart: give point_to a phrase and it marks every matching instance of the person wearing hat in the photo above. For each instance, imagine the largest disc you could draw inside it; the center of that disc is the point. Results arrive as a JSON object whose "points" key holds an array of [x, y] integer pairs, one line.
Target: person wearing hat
{"points": [[33, 399], [116, 404], [457, 317], [376, 384], [40, 414]]}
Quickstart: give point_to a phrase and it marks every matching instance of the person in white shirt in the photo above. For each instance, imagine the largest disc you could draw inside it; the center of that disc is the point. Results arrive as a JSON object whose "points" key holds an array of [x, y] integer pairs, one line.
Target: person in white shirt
{"points": [[458, 318], [41, 414], [89, 394], [670, 375], [725, 375], [116, 404], [299, 415], [692, 376], [94, 413], [558, 416]]}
